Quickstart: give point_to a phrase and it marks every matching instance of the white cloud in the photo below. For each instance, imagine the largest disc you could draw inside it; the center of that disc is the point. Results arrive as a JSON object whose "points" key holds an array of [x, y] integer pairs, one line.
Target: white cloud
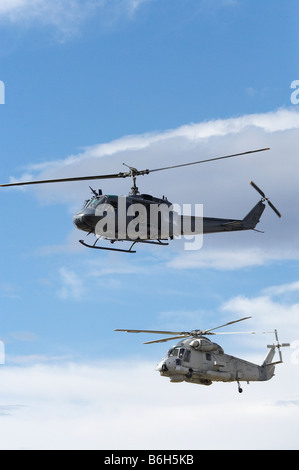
{"points": [[126, 405], [196, 133], [282, 289], [63, 14], [268, 311], [66, 15], [219, 259]]}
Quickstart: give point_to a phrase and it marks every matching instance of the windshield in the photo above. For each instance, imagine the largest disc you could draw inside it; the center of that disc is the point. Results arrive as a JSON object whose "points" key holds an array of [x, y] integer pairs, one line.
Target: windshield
{"points": [[173, 352], [95, 201], [181, 353]]}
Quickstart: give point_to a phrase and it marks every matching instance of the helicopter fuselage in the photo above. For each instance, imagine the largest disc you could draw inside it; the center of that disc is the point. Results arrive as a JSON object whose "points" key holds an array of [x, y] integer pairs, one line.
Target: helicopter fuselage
{"points": [[200, 361], [144, 217], [111, 216]]}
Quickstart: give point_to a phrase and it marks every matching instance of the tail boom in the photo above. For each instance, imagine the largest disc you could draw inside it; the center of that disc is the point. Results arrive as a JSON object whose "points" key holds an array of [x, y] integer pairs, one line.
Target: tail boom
{"points": [[206, 225]]}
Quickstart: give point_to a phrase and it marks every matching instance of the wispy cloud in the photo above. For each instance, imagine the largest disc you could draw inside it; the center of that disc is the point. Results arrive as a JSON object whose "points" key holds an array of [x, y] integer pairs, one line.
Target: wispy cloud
{"points": [[71, 285], [219, 259], [282, 289], [9, 290], [269, 311], [66, 16]]}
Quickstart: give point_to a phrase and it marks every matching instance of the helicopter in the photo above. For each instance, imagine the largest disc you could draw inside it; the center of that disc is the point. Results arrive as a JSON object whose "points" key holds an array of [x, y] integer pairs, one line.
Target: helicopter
{"points": [[114, 218], [196, 359]]}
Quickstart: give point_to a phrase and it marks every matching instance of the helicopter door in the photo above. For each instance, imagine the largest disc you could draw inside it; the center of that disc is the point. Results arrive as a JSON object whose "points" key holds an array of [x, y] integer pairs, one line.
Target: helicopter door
{"points": [[187, 355]]}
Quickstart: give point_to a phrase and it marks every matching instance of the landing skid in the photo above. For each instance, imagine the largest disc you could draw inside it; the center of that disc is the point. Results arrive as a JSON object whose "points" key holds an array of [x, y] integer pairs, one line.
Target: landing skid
{"points": [[106, 248], [158, 242]]}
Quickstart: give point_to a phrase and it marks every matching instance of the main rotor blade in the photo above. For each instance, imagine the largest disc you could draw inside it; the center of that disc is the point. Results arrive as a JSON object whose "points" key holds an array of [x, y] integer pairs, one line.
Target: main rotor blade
{"points": [[244, 333], [181, 333], [208, 160], [132, 172], [164, 340], [65, 180], [226, 324]]}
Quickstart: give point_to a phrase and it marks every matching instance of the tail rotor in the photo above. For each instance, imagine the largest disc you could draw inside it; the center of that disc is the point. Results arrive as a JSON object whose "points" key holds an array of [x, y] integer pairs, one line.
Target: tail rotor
{"points": [[278, 346], [266, 199]]}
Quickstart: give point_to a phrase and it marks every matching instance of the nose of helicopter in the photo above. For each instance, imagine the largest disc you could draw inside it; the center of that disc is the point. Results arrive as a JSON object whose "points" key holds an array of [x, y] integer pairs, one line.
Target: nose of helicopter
{"points": [[82, 222], [162, 367], [166, 366]]}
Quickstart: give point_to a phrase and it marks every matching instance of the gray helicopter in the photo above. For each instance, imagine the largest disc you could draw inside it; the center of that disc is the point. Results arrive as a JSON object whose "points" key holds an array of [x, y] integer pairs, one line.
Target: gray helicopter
{"points": [[143, 218], [196, 359]]}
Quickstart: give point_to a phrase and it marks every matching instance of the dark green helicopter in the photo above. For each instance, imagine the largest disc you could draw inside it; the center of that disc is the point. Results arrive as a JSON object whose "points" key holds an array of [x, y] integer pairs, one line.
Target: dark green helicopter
{"points": [[143, 218]]}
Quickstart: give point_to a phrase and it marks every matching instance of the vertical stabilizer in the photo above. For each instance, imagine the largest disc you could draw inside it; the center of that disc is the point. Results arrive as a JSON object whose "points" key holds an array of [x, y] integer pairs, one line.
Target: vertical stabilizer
{"points": [[253, 217], [268, 365]]}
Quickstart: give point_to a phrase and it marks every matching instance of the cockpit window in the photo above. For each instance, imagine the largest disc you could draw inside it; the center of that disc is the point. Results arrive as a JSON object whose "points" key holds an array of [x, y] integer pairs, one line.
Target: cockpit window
{"points": [[181, 353], [86, 203], [95, 201], [173, 352]]}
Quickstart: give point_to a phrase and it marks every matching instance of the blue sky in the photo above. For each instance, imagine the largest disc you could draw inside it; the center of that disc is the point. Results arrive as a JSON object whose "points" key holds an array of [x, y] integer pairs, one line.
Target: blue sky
{"points": [[88, 85]]}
